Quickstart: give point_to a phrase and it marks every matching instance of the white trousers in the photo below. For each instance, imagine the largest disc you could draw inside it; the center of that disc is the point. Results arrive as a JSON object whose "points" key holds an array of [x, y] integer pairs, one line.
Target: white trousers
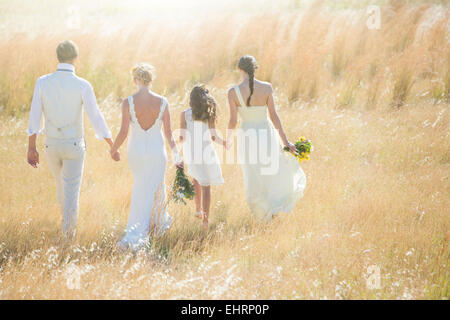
{"points": [[65, 158]]}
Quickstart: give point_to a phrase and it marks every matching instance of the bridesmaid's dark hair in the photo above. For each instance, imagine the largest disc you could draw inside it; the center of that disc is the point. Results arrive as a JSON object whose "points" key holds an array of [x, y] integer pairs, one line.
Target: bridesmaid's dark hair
{"points": [[248, 64], [202, 104]]}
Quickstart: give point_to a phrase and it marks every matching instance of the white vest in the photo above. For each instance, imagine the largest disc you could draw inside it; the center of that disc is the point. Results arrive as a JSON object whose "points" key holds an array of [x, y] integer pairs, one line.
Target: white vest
{"points": [[61, 94]]}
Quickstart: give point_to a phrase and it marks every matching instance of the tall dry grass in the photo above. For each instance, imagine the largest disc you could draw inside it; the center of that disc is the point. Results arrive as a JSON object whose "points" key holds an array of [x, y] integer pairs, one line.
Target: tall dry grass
{"points": [[374, 102]]}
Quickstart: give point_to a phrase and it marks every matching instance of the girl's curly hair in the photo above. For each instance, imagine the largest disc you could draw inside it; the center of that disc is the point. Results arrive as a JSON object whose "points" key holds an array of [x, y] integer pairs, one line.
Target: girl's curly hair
{"points": [[203, 104]]}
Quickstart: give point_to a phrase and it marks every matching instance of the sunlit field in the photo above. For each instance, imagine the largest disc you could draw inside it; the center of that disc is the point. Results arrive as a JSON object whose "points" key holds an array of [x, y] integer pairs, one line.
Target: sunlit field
{"points": [[374, 222]]}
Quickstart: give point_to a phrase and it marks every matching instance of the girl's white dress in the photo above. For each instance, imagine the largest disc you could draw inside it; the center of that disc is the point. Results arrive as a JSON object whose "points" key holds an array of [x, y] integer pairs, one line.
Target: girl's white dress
{"points": [[148, 160], [273, 179], [199, 154]]}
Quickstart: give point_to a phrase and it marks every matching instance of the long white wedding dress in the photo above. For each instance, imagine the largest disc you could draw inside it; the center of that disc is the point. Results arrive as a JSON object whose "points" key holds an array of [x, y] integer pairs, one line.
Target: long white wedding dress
{"points": [[148, 160], [273, 179]]}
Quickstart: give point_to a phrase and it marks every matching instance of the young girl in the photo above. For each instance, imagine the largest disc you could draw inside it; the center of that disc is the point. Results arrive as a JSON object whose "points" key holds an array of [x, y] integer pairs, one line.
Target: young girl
{"points": [[197, 133]]}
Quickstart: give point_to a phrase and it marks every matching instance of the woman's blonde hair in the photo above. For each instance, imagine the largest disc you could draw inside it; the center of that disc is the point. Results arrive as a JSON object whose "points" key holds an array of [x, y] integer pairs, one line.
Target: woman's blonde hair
{"points": [[202, 104], [143, 72]]}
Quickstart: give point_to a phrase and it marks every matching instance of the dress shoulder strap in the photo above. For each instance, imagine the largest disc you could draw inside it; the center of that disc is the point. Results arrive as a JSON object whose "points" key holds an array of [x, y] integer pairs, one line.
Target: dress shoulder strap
{"points": [[239, 95], [188, 115], [161, 109], [132, 112]]}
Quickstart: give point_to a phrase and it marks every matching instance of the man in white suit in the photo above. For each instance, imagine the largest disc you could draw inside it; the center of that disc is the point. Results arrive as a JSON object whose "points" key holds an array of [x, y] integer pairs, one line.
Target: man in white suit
{"points": [[59, 96]]}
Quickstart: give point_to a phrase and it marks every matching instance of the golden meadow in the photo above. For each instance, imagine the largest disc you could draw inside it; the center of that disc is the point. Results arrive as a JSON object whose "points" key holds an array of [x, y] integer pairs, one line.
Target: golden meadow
{"points": [[373, 101]]}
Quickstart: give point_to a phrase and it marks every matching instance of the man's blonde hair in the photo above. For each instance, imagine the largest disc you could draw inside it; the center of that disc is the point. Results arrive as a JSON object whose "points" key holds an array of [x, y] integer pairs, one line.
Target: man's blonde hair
{"points": [[66, 51]]}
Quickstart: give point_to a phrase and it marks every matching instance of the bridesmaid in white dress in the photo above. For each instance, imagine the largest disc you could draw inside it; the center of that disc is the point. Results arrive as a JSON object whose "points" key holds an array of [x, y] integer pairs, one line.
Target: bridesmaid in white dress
{"points": [[146, 113], [267, 191], [198, 133]]}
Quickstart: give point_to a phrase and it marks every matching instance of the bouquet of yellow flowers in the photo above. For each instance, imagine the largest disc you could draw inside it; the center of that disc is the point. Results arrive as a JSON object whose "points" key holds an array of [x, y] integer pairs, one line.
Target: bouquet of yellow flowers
{"points": [[303, 149], [182, 188]]}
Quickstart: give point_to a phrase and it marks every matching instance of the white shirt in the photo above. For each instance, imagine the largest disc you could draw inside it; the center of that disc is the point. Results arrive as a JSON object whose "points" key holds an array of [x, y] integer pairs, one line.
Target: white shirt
{"points": [[59, 97]]}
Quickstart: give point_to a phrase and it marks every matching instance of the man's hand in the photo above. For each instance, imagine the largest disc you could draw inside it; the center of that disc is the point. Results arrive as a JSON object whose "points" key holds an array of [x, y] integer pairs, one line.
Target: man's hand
{"points": [[33, 157]]}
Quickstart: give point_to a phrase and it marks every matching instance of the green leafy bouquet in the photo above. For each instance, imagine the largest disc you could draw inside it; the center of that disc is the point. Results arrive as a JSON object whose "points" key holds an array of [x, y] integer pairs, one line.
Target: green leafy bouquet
{"points": [[182, 188], [303, 149]]}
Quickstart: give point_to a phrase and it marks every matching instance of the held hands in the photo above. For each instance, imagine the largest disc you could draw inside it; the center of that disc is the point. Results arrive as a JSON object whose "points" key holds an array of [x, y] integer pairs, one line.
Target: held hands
{"points": [[223, 142], [33, 157], [227, 144], [115, 154]]}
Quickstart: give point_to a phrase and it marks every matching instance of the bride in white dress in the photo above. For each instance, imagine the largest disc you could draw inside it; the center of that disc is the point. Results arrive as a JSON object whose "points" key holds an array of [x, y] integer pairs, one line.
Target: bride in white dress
{"points": [[146, 113], [273, 179]]}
